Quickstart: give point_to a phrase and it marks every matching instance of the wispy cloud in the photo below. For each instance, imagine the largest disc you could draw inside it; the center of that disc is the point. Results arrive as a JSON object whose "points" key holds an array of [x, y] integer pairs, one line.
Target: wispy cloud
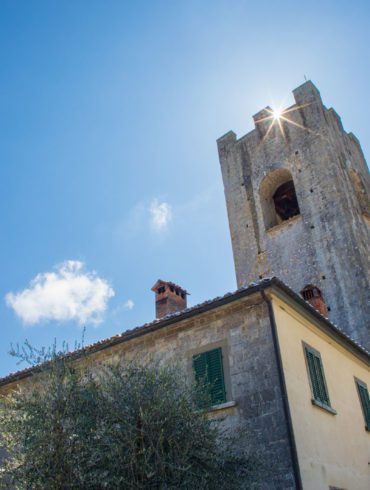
{"points": [[128, 305], [160, 214], [67, 293]]}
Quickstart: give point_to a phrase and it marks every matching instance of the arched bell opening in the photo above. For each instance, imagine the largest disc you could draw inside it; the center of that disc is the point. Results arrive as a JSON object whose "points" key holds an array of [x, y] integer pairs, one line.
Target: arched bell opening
{"points": [[278, 198]]}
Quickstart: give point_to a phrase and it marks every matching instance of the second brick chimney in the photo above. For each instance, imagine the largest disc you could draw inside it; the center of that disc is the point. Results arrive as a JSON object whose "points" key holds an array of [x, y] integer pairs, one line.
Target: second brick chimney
{"points": [[313, 295], [169, 298]]}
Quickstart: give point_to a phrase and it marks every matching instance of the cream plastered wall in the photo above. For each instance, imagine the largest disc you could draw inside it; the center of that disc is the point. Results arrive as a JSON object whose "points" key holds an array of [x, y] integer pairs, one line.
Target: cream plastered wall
{"points": [[333, 450]]}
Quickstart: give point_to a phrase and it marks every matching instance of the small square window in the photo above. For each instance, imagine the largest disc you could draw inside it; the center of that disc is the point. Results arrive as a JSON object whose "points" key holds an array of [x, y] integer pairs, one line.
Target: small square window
{"points": [[320, 395], [365, 401], [208, 370]]}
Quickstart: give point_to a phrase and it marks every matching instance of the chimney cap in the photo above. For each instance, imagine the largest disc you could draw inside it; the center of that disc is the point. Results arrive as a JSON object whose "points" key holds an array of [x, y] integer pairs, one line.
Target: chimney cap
{"points": [[160, 283], [311, 287]]}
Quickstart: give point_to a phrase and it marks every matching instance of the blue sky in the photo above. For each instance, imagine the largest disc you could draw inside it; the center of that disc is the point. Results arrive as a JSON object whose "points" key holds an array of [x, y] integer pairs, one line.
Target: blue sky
{"points": [[109, 174]]}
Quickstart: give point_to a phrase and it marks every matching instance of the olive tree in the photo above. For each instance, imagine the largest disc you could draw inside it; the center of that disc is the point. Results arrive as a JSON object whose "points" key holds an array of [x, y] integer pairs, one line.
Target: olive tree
{"points": [[118, 426]]}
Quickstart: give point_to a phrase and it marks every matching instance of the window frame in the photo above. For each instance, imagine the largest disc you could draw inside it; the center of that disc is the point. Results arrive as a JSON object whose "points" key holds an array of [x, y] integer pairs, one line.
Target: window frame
{"points": [[223, 345], [366, 416], [316, 401]]}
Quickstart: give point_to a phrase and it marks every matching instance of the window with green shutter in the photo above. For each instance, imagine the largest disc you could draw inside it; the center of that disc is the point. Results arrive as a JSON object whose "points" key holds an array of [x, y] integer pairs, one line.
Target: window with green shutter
{"points": [[316, 372], [208, 370], [365, 401]]}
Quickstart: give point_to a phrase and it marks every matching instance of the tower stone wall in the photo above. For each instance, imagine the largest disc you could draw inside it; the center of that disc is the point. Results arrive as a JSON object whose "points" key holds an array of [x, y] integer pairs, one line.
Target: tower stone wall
{"points": [[326, 244]]}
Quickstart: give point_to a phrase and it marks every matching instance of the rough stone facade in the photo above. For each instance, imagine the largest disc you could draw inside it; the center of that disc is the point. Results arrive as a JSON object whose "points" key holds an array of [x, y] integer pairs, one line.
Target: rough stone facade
{"points": [[263, 407], [243, 331], [327, 243]]}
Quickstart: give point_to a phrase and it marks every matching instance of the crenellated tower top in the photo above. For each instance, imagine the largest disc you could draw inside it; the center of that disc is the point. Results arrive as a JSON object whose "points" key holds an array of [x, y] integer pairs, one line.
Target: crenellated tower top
{"points": [[296, 190]]}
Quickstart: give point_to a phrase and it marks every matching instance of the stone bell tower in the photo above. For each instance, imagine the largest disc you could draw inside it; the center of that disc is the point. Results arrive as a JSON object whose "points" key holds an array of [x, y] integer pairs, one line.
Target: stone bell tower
{"points": [[297, 190]]}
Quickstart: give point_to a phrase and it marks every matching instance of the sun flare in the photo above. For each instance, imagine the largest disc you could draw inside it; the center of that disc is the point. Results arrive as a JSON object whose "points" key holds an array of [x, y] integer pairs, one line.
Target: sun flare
{"points": [[278, 116]]}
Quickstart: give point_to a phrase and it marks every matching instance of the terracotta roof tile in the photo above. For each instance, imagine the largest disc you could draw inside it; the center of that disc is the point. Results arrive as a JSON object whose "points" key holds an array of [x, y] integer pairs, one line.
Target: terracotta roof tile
{"points": [[168, 319]]}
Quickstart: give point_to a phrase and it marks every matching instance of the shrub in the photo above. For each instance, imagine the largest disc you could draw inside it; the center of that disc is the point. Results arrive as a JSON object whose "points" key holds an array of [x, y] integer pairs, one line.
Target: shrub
{"points": [[125, 426]]}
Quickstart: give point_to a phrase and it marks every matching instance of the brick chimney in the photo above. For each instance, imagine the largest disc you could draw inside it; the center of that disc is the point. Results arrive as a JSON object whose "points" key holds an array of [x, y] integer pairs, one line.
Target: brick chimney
{"points": [[169, 298], [313, 295]]}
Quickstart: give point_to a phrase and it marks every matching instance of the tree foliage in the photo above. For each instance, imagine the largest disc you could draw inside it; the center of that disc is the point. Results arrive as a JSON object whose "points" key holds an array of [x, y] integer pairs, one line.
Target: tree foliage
{"points": [[121, 426]]}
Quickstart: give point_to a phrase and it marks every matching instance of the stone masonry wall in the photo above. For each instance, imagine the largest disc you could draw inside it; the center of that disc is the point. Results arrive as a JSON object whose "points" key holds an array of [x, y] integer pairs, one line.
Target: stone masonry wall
{"points": [[243, 329], [327, 244]]}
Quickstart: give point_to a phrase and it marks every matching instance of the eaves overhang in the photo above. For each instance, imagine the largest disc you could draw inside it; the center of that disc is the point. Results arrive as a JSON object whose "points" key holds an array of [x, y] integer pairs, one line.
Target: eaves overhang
{"points": [[275, 284], [305, 309]]}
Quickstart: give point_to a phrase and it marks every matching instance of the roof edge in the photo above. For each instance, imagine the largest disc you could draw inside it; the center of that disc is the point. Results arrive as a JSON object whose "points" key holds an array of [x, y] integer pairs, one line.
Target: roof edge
{"points": [[139, 331]]}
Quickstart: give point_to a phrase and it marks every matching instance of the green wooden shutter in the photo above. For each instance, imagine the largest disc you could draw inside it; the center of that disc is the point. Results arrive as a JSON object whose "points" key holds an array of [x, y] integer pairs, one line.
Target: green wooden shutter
{"points": [[216, 376], [365, 402], [200, 367], [320, 393], [324, 397], [208, 369]]}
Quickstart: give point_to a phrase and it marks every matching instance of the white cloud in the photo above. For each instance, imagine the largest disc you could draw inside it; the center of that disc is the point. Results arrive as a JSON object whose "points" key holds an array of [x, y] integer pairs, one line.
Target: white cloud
{"points": [[128, 305], [161, 214], [68, 293]]}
